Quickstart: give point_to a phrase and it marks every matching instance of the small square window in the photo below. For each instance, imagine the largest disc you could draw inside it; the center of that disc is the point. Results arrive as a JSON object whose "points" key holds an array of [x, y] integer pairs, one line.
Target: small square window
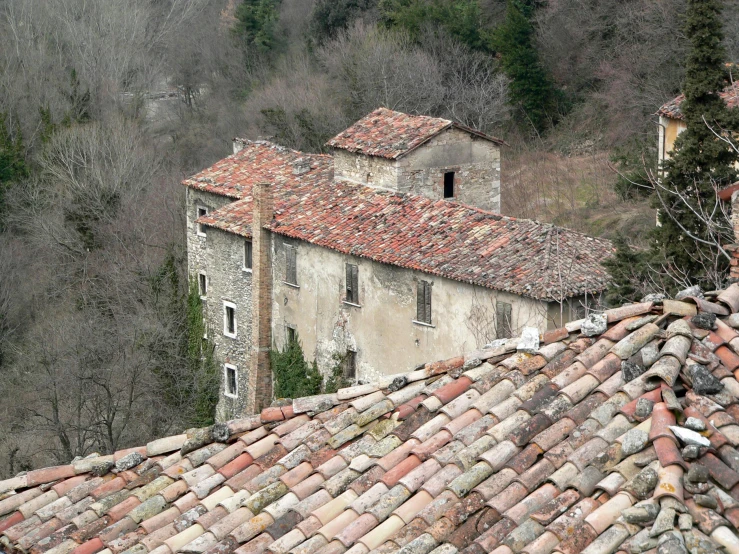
{"points": [[229, 319], [449, 184], [247, 254], [231, 382], [203, 284], [291, 334], [202, 212]]}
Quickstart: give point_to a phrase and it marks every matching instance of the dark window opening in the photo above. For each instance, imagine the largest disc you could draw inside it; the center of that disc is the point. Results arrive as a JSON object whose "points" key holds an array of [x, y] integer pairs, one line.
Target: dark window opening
{"points": [[352, 283], [423, 302], [201, 213], [350, 365], [449, 184], [231, 385], [230, 323], [291, 270], [503, 320], [247, 254], [292, 336], [203, 281]]}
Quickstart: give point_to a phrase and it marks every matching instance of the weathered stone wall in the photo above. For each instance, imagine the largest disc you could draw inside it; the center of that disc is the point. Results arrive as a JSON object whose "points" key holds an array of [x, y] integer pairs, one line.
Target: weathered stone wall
{"points": [[220, 256], [382, 330], [475, 161], [365, 170]]}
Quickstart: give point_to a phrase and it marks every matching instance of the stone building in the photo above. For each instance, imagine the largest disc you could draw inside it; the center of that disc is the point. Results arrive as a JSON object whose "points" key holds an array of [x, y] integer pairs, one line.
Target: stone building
{"points": [[385, 254]]}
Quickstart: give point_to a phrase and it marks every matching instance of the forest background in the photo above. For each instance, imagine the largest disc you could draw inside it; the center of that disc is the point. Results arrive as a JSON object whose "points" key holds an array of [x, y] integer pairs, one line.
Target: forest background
{"points": [[106, 106]]}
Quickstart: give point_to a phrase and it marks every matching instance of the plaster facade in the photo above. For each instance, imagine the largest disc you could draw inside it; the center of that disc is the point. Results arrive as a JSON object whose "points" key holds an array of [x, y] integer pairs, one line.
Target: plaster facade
{"points": [[669, 129], [381, 328], [474, 161]]}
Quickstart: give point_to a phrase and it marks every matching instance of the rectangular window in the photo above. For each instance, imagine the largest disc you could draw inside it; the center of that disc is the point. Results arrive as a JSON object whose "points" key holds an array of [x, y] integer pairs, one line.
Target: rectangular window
{"points": [[291, 270], [449, 184], [290, 333], [503, 320], [203, 284], [205, 321], [202, 211], [231, 382], [247, 254], [350, 365], [352, 283], [423, 302], [229, 319]]}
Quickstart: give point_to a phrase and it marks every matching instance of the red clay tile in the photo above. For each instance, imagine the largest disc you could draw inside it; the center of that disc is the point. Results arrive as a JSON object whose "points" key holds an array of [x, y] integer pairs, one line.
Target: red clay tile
{"points": [[536, 474], [629, 409], [580, 412], [491, 538], [668, 453], [445, 366], [554, 335], [555, 507], [274, 413], [541, 398], [48, 474], [108, 488], [721, 473], [575, 542], [531, 365], [462, 421], [394, 475], [525, 432], [606, 367], [90, 547], [238, 464], [728, 358], [509, 497], [449, 392], [662, 418], [14, 519], [595, 353], [554, 434], [238, 481], [524, 459], [412, 422], [121, 509], [427, 448], [463, 509], [715, 436], [559, 363]]}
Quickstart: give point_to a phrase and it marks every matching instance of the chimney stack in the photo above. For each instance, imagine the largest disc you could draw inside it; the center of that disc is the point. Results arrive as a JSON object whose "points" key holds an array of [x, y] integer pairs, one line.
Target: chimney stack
{"points": [[260, 374]]}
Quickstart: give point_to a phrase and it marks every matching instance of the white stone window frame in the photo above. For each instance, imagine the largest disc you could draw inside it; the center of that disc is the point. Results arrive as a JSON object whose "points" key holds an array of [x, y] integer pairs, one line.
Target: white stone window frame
{"points": [[226, 332], [203, 279], [226, 368], [199, 229]]}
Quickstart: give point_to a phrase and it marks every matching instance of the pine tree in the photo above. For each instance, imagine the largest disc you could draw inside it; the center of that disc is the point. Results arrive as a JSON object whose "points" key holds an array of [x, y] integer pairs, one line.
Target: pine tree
{"points": [[256, 22], [531, 89], [626, 268], [12, 160], [700, 161]]}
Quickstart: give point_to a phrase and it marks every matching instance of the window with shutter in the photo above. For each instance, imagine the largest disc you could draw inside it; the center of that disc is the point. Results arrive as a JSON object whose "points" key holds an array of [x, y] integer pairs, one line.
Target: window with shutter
{"points": [[423, 302], [503, 320], [291, 275], [352, 283], [247, 254]]}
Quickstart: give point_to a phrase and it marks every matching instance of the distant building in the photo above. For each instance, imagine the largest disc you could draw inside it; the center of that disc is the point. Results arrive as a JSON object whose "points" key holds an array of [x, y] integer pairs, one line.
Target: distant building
{"points": [[387, 254]]}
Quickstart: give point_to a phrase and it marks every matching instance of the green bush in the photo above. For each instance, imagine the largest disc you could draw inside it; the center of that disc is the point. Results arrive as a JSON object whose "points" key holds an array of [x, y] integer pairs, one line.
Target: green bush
{"points": [[293, 376]]}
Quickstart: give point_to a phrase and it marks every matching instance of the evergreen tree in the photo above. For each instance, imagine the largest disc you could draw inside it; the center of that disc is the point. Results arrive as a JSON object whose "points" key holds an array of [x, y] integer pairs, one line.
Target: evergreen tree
{"points": [[256, 22], [700, 161], [626, 267], [12, 160], [531, 89], [294, 377]]}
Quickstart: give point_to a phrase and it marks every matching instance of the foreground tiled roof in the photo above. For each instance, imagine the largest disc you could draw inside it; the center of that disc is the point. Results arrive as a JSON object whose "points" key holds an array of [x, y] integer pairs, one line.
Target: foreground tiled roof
{"points": [[580, 443], [437, 237], [672, 108], [388, 134]]}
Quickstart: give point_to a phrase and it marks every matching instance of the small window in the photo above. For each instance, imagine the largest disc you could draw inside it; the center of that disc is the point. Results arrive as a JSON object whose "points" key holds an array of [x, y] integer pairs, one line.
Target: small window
{"points": [[503, 320], [350, 365], [423, 302], [352, 283], [205, 321], [202, 212], [449, 184], [203, 284], [290, 334], [291, 270], [247, 254], [229, 319], [231, 381]]}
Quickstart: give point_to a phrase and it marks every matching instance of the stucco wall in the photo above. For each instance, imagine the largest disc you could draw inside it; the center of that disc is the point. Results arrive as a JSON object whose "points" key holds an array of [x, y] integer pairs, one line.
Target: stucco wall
{"points": [[220, 256], [382, 331], [475, 161], [669, 129]]}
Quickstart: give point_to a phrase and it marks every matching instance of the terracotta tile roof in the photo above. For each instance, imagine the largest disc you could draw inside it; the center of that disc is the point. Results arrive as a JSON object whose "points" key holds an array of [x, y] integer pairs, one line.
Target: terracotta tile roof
{"points": [[437, 237], [616, 433], [672, 108], [389, 134]]}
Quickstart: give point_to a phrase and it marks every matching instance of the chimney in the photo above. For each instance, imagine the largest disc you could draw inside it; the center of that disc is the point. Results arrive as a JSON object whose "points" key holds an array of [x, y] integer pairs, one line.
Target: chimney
{"points": [[260, 373]]}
